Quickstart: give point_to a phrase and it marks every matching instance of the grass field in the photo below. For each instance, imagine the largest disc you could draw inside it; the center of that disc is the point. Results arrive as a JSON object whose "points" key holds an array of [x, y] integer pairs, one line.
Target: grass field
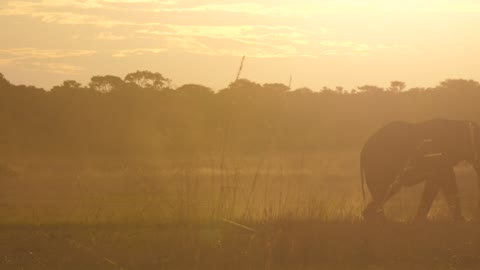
{"points": [[282, 245], [237, 213]]}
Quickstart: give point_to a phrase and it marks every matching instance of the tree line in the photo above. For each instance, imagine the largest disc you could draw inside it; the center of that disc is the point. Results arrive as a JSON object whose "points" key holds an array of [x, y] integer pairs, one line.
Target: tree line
{"points": [[142, 115]]}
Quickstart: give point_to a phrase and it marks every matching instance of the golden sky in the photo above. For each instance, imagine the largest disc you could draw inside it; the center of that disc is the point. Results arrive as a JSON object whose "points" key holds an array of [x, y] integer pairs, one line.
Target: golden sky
{"points": [[320, 43]]}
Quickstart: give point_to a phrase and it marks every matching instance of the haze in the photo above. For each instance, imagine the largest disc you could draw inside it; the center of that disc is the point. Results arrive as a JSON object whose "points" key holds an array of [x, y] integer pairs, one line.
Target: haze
{"points": [[319, 43]]}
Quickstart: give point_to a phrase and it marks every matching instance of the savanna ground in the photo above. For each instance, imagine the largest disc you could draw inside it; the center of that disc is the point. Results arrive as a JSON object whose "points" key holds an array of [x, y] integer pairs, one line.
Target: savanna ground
{"points": [[218, 212]]}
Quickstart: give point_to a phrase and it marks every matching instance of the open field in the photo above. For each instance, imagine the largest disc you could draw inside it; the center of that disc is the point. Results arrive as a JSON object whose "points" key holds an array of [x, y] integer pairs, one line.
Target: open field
{"points": [[117, 153], [300, 212], [281, 245]]}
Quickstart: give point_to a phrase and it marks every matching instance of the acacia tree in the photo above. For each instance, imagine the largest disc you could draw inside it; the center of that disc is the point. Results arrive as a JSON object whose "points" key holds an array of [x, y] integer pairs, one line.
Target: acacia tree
{"points": [[105, 84], [148, 79], [68, 84], [397, 86]]}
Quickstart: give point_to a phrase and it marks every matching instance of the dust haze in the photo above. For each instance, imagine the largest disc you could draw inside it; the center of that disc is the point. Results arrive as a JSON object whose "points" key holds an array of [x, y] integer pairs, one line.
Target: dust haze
{"points": [[178, 134], [249, 176]]}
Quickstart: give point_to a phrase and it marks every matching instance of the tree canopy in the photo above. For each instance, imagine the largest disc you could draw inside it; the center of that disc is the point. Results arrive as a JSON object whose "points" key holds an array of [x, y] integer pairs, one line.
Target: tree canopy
{"points": [[141, 115]]}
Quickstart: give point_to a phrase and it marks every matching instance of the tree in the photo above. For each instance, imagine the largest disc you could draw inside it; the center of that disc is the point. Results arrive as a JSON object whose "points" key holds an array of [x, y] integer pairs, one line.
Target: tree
{"points": [[242, 88], [4, 82], [276, 87], [327, 91], [459, 84], [194, 90], [148, 79], [67, 85], [244, 84], [105, 84], [370, 89], [397, 86], [302, 91], [416, 90]]}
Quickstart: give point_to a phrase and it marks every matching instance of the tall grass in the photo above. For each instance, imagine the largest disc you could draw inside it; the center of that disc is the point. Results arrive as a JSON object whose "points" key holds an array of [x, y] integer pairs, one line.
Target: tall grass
{"points": [[209, 213], [205, 189]]}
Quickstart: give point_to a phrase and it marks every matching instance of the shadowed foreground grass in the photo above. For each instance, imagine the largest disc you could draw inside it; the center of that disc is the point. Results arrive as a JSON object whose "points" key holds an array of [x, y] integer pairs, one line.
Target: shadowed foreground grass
{"points": [[280, 245], [182, 216]]}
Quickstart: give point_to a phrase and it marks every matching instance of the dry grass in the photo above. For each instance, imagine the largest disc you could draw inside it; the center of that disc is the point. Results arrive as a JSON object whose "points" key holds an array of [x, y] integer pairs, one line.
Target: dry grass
{"points": [[281, 245], [244, 213]]}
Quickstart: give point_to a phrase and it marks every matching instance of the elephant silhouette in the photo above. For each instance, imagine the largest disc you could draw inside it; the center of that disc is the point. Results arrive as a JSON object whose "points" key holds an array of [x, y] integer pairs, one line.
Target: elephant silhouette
{"points": [[404, 154]]}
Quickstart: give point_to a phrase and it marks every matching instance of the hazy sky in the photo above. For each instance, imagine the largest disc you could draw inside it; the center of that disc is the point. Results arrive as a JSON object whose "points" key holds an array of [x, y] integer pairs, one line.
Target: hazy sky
{"points": [[320, 43]]}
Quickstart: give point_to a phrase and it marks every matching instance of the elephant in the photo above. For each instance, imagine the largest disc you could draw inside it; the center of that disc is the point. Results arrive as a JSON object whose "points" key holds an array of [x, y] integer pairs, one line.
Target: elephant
{"points": [[403, 154]]}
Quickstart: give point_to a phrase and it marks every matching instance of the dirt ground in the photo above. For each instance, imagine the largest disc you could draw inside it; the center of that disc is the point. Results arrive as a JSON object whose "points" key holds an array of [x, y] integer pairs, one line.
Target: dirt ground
{"points": [[283, 245]]}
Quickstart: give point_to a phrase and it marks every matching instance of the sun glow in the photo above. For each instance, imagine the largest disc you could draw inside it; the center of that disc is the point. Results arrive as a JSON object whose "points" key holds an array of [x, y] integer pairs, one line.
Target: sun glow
{"points": [[375, 41]]}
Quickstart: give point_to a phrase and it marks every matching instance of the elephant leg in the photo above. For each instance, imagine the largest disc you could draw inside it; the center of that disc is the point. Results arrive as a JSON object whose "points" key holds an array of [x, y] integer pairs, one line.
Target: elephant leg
{"points": [[450, 190], [392, 190], [381, 193], [430, 191], [373, 211], [377, 187]]}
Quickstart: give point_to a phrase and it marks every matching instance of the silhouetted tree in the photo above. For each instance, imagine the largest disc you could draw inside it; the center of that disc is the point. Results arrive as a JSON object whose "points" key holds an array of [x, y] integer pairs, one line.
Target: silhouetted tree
{"points": [[246, 117], [276, 87], [459, 84], [67, 85], [147, 79], [397, 86], [105, 84], [370, 89], [194, 90], [416, 90], [4, 82], [327, 91], [243, 86], [302, 91]]}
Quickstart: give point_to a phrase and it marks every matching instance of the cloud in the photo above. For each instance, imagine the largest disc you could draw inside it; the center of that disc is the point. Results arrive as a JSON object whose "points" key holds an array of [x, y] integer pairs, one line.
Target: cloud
{"points": [[134, 52], [81, 11], [331, 47], [128, 4], [4, 61], [109, 36], [39, 59], [48, 12], [85, 4], [251, 8], [255, 40], [57, 68], [312, 9], [251, 39], [234, 48], [164, 2], [35, 53], [240, 32]]}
